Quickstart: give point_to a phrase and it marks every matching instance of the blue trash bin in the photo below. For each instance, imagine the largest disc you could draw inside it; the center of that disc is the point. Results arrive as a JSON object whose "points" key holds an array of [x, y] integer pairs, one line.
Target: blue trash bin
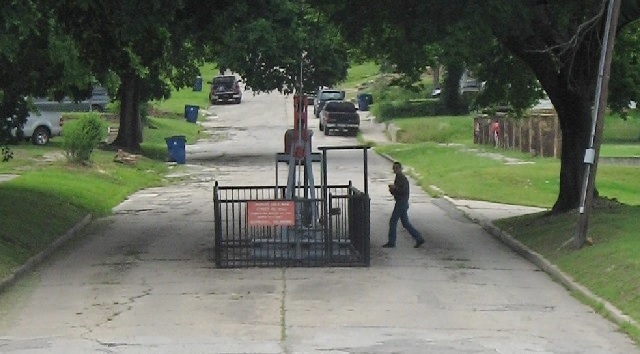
{"points": [[191, 113], [197, 84], [364, 100], [176, 148]]}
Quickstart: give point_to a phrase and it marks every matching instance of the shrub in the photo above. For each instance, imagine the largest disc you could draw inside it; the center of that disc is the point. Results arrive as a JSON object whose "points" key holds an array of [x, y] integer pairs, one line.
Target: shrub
{"points": [[404, 109], [6, 154], [82, 136]]}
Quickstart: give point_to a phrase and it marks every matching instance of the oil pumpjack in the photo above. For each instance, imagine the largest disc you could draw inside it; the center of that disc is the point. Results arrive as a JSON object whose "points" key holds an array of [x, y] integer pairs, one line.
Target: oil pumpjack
{"points": [[314, 226], [307, 232]]}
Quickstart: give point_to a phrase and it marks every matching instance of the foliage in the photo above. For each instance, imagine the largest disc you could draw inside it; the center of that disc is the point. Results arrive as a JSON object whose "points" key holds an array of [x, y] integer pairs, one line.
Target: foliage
{"points": [[82, 136], [145, 54], [281, 46], [508, 44], [508, 82], [36, 56], [624, 85], [387, 110], [7, 154]]}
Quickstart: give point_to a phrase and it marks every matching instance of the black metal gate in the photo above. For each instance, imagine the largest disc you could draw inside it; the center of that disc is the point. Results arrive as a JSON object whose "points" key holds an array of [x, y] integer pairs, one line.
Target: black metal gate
{"points": [[326, 232]]}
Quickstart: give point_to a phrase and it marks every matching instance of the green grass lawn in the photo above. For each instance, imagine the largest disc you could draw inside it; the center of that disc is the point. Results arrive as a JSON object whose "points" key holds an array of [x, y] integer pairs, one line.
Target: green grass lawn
{"points": [[187, 96], [47, 200], [620, 150], [361, 73]]}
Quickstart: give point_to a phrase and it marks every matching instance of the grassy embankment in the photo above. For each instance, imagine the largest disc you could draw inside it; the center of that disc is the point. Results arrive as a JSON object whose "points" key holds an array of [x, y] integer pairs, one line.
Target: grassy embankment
{"points": [[50, 195]]}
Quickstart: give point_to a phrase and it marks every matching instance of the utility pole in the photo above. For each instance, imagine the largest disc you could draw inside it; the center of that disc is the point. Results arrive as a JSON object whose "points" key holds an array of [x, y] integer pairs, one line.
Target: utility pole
{"points": [[592, 153]]}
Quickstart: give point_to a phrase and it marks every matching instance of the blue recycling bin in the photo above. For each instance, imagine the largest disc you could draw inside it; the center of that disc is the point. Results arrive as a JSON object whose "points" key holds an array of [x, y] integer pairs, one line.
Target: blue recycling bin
{"points": [[176, 148], [191, 113], [364, 100], [197, 84]]}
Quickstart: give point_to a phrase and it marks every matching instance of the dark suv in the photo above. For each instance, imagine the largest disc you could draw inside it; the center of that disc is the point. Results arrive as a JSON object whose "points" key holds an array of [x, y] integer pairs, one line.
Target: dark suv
{"points": [[225, 88], [326, 95]]}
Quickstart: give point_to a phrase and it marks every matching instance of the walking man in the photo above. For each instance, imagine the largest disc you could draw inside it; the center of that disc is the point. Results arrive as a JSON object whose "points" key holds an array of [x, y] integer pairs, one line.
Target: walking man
{"points": [[400, 191]]}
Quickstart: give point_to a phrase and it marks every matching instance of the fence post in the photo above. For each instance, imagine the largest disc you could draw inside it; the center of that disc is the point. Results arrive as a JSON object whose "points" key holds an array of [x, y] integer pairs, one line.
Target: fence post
{"points": [[217, 226]]}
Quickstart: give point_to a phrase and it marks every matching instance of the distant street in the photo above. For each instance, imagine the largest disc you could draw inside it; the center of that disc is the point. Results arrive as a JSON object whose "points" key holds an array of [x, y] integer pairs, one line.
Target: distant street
{"points": [[143, 280]]}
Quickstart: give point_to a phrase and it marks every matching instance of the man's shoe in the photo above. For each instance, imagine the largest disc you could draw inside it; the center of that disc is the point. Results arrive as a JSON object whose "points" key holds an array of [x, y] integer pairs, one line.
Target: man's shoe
{"points": [[388, 245], [419, 243]]}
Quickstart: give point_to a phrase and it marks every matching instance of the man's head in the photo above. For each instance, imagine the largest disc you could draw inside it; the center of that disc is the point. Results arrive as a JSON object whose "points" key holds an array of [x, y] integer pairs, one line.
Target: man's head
{"points": [[397, 167]]}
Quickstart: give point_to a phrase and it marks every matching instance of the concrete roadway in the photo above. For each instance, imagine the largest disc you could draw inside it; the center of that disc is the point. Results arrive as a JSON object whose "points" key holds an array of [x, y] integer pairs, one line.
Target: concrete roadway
{"points": [[143, 279]]}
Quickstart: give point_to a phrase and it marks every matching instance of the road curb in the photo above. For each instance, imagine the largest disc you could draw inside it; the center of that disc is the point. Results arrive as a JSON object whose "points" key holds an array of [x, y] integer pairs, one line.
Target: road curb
{"points": [[36, 260], [612, 312]]}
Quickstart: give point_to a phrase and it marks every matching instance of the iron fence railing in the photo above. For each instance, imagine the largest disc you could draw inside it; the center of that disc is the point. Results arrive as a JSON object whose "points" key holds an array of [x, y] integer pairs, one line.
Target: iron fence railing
{"points": [[318, 232]]}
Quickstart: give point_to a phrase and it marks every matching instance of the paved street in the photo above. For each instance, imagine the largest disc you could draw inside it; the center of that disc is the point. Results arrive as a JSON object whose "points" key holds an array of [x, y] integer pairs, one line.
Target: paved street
{"points": [[143, 280]]}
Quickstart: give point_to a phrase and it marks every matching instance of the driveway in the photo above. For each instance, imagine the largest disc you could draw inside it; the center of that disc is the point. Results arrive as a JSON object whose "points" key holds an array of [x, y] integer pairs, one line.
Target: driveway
{"points": [[143, 279]]}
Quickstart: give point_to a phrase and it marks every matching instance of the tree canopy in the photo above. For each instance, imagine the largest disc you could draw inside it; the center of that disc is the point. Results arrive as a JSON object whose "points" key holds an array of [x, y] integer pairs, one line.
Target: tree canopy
{"points": [[143, 46], [37, 58], [517, 47]]}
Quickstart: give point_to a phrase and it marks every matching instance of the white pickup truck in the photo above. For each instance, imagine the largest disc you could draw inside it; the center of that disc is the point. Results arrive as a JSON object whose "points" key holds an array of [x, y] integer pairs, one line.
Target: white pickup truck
{"points": [[41, 127]]}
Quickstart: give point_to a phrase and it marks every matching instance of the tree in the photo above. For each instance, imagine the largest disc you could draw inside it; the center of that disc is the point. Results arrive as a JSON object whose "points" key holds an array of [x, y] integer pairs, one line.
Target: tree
{"points": [[36, 58], [131, 39], [264, 41], [625, 70], [282, 45], [556, 41], [559, 42]]}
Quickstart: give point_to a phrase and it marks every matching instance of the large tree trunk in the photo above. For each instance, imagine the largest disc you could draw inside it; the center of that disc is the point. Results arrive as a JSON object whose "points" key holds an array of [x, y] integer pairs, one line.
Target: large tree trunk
{"points": [[130, 131], [575, 117], [451, 92], [436, 76]]}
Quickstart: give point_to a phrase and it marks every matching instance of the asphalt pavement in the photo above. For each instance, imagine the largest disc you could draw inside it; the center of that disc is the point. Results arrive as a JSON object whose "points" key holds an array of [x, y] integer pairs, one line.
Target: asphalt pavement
{"points": [[142, 280]]}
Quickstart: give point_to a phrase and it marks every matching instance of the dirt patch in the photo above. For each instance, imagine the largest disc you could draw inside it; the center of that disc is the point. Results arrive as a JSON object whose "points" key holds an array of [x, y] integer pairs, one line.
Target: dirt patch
{"points": [[53, 156], [7, 177]]}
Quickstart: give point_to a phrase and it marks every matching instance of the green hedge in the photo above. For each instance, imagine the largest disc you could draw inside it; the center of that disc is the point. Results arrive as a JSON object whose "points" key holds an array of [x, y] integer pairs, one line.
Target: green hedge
{"points": [[408, 108]]}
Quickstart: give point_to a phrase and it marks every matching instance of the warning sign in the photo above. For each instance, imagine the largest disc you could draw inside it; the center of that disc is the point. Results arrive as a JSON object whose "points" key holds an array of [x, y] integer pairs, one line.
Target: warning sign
{"points": [[271, 213]]}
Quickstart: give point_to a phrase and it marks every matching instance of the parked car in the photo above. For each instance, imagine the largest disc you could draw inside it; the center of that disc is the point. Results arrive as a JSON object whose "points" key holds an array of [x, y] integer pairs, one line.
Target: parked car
{"points": [[340, 116], [310, 97], [40, 127], [225, 88], [97, 102], [326, 95]]}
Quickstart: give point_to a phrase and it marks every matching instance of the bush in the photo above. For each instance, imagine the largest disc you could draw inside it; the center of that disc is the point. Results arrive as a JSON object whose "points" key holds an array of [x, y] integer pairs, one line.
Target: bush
{"points": [[82, 136], [404, 109], [6, 154]]}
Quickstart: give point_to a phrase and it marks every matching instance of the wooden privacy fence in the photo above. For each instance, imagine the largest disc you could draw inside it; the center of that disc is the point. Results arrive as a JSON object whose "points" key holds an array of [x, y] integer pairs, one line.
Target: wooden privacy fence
{"points": [[538, 133]]}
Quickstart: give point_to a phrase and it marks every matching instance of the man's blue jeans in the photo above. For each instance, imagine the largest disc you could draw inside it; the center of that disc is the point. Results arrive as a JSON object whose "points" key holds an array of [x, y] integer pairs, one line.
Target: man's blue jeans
{"points": [[400, 213]]}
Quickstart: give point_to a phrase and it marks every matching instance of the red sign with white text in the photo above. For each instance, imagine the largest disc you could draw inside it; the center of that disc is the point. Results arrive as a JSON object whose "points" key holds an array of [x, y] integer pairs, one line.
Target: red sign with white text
{"points": [[271, 213]]}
